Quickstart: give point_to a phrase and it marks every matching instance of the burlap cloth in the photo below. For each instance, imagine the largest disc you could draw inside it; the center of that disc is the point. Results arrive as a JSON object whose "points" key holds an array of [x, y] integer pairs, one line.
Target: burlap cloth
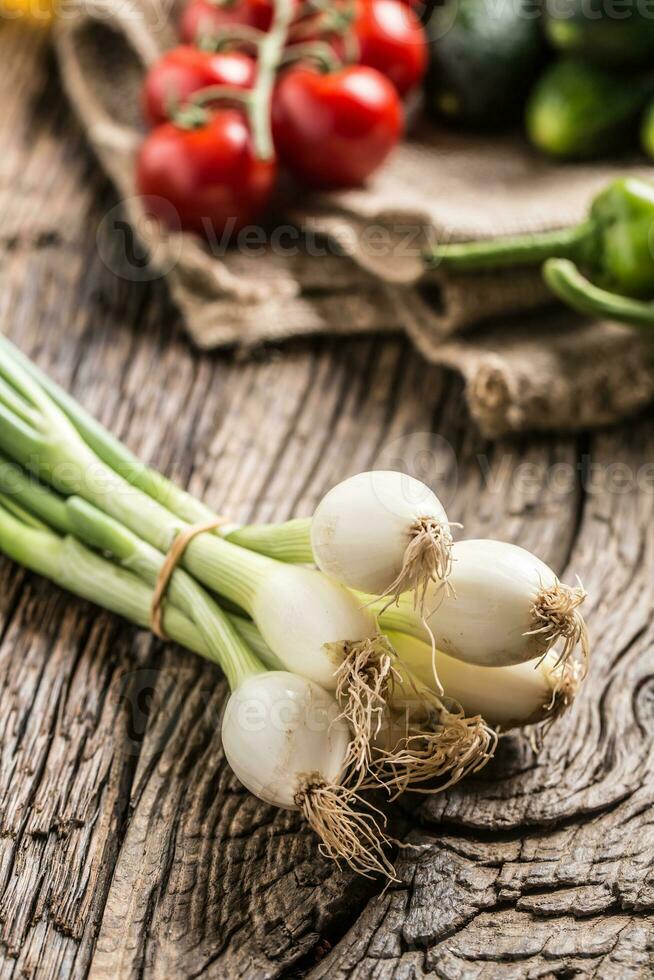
{"points": [[356, 266]]}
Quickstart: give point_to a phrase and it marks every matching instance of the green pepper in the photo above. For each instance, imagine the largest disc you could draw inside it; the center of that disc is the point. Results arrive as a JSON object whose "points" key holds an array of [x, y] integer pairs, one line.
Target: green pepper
{"points": [[614, 246], [569, 285], [624, 217]]}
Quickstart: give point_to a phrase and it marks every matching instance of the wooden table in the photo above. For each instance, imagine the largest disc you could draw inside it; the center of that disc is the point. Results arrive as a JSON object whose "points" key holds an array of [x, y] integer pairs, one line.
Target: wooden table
{"points": [[127, 848]]}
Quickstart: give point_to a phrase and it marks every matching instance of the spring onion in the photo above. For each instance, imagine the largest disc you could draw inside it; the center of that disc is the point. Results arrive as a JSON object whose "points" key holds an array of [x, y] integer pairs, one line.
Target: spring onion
{"points": [[505, 607], [382, 532], [506, 697]]}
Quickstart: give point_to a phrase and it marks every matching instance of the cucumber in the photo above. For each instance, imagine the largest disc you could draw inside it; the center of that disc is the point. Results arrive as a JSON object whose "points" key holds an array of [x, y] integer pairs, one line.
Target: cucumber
{"points": [[606, 32], [647, 131], [483, 57], [580, 111]]}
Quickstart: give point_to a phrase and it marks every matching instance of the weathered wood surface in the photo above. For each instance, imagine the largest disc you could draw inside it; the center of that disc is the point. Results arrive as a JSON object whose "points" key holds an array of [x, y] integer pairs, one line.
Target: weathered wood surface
{"points": [[126, 846]]}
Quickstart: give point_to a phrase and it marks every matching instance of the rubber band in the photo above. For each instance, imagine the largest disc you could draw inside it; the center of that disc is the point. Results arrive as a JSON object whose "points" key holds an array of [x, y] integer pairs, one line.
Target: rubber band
{"points": [[172, 560]]}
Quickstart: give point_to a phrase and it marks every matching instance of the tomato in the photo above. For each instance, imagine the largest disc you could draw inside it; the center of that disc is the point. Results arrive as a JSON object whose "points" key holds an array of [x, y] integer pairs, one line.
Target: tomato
{"points": [[185, 70], [392, 40], [334, 130], [209, 174], [204, 17]]}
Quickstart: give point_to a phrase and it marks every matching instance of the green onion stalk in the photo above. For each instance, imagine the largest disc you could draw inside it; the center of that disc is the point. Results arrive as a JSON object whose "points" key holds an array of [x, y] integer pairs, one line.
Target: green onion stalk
{"points": [[604, 267], [315, 626], [284, 736]]}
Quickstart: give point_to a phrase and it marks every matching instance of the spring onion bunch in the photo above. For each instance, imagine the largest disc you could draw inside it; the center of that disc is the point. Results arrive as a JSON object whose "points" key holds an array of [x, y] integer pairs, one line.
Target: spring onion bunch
{"points": [[361, 639], [315, 626]]}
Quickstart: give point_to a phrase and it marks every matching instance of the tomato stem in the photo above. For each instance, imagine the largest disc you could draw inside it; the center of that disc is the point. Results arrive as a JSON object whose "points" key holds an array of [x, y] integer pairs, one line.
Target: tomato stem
{"points": [[320, 52], [237, 36], [339, 21], [194, 113], [271, 52], [322, 19], [188, 116], [222, 93]]}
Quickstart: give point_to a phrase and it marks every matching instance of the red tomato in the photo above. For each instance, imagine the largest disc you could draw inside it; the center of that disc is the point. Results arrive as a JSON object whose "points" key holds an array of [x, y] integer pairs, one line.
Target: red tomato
{"points": [[392, 40], [210, 174], [204, 17], [185, 70], [334, 130]]}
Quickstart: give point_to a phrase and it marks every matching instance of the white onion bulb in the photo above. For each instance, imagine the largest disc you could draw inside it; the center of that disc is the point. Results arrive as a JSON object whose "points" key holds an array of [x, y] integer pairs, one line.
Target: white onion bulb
{"points": [[286, 740], [505, 607], [300, 612], [506, 697], [381, 532], [280, 729]]}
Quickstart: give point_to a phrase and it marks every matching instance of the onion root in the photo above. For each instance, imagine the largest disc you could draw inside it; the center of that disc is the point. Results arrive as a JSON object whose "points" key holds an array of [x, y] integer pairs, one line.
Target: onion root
{"points": [[428, 558], [447, 744], [364, 680], [345, 832], [563, 695], [556, 616]]}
